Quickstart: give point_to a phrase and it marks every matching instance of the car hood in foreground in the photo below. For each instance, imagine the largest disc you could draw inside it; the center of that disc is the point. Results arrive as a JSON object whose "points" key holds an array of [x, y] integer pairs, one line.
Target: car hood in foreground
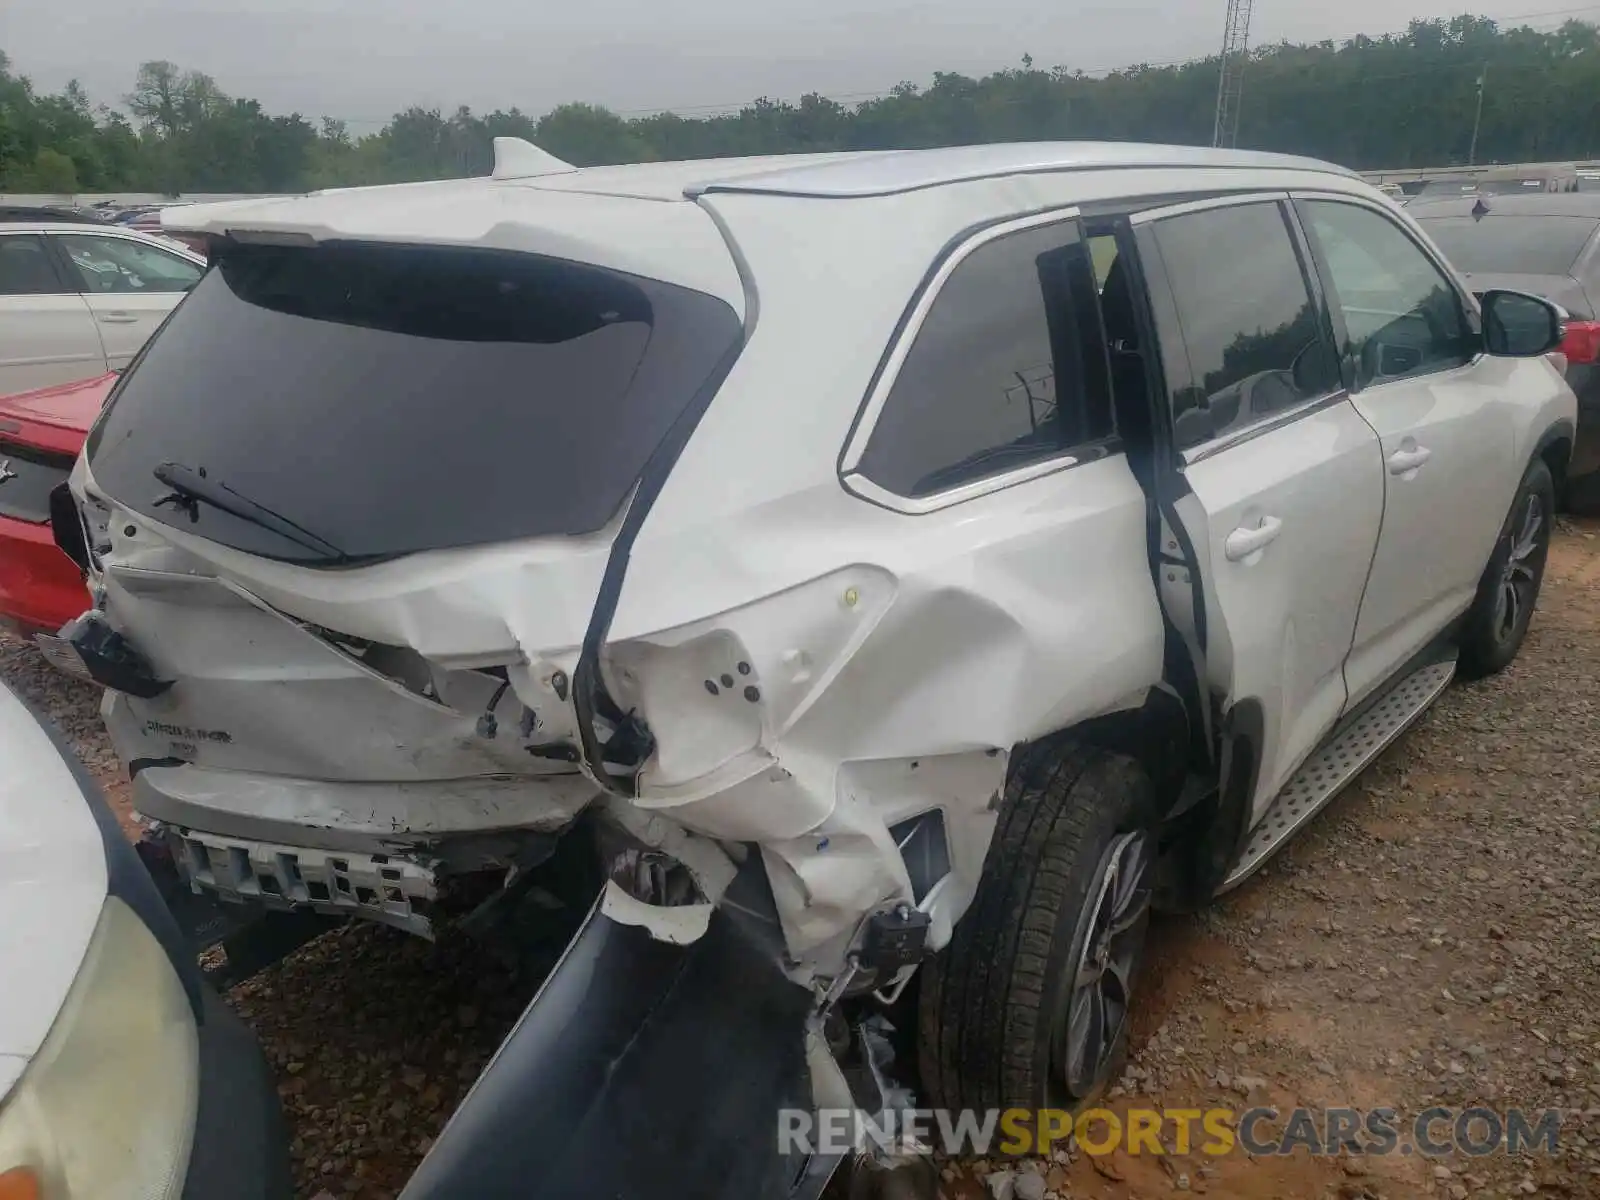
{"points": [[52, 884]]}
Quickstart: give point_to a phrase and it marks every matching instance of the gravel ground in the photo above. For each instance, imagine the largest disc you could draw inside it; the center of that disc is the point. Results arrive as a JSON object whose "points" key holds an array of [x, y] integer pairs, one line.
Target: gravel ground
{"points": [[1434, 938]]}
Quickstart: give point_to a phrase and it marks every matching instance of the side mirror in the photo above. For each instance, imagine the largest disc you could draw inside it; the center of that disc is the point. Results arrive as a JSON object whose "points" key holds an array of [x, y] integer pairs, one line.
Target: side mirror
{"points": [[1516, 325]]}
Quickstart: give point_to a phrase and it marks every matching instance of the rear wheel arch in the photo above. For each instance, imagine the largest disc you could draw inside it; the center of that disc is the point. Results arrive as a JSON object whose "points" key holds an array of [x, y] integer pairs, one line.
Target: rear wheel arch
{"points": [[990, 1004], [994, 1005], [1199, 844], [1555, 447], [1156, 735]]}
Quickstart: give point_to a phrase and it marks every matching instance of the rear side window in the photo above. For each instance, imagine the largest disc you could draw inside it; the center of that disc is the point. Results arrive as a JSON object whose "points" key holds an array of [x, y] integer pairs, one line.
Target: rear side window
{"points": [[1244, 325], [114, 264], [25, 267], [1508, 245], [388, 400], [1007, 369]]}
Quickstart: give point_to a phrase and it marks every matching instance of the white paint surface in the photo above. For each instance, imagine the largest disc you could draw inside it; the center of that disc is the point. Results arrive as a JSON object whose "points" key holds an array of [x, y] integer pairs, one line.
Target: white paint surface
{"points": [[52, 884]]}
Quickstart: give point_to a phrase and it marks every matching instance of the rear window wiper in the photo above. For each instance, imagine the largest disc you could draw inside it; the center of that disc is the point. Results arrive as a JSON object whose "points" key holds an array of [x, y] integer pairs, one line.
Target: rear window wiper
{"points": [[191, 488]]}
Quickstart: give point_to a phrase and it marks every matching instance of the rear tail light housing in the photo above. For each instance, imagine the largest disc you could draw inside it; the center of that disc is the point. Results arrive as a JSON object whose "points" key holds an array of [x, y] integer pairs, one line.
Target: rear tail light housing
{"points": [[1580, 342]]}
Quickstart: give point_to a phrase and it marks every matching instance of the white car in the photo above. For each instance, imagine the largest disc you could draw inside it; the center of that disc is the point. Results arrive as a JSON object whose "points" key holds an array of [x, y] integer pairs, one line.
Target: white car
{"points": [[121, 1074], [78, 300], [956, 550]]}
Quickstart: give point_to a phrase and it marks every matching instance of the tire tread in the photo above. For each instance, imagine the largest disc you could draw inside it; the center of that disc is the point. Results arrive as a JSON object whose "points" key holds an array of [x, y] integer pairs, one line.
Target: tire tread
{"points": [[985, 995]]}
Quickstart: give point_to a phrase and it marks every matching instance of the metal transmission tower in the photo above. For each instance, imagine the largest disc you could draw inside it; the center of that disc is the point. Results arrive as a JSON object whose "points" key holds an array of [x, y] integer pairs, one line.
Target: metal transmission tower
{"points": [[1235, 54]]}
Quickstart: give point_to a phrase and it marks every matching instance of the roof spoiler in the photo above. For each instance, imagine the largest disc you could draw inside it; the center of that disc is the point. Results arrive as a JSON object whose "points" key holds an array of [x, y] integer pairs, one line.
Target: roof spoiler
{"points": [[515, 158]]}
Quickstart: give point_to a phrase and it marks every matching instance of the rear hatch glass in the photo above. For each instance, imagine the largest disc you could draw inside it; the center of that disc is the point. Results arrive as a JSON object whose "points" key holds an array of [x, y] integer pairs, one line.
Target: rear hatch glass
{"points": [[386, 400], [1508, 245]]}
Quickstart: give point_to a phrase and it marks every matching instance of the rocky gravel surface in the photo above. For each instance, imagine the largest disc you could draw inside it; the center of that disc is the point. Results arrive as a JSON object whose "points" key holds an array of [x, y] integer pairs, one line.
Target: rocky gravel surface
{"points": [[1433, 939]]}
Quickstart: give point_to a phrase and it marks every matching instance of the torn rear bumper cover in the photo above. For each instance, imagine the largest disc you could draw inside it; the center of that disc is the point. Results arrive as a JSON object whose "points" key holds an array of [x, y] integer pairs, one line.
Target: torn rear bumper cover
{"points": [[643, 1069]]}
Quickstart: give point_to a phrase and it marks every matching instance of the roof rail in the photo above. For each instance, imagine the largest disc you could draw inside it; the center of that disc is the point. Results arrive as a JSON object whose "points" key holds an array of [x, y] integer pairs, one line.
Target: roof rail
{"points": [[516, 158]]}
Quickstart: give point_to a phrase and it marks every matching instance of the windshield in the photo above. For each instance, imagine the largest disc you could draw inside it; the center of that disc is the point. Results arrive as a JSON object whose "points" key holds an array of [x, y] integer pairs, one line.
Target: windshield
{"points": [[399, 399], [1504, 245]]}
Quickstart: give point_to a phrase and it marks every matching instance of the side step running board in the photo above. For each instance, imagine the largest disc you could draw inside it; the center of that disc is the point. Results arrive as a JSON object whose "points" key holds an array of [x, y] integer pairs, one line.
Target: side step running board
{"points": [[1326, 773]]}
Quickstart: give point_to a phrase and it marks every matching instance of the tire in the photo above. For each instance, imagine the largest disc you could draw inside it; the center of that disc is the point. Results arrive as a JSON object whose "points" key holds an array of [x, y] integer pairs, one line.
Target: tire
{"points": [[1498, 620], [994, 1005]]}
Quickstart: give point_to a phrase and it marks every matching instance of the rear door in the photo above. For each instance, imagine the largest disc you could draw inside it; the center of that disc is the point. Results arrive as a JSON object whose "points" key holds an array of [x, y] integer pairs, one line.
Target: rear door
{"points": [[1447, 418], [1280, 480], [130, 286], [47, 334]]}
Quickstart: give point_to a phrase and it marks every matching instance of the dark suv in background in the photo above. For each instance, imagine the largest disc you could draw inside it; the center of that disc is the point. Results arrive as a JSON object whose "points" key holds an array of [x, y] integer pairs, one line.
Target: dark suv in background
{"points": [[1545, 243]]}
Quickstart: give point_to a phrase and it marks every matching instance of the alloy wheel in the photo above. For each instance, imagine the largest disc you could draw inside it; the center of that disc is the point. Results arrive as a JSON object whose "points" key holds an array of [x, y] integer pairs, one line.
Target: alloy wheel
{"points": [[1110, 934], [1519, 580]]}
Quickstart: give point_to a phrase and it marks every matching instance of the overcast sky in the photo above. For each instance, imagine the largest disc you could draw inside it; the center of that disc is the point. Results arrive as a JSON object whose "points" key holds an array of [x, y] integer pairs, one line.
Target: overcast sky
{"points": [[364, 59]]}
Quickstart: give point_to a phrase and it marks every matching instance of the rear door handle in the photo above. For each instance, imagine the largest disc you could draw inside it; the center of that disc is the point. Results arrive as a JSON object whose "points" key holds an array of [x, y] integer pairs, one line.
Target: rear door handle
{"points": [[1243, 542], [118, 318], [1403, 462]]}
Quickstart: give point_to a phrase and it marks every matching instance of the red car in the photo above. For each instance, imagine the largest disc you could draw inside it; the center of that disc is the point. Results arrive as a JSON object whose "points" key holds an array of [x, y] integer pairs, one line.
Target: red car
{"points": [[40, 434]]}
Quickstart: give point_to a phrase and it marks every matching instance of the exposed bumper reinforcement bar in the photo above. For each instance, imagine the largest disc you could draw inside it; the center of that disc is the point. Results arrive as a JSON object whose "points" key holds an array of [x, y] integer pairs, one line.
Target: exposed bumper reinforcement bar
{"points": [[390, 889]]}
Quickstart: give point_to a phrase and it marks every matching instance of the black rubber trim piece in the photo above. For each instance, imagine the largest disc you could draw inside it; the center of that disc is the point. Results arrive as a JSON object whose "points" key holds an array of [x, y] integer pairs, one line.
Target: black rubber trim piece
{"points": [[241, 1144], [1167, 484], [588, 688], [641, 1071], [589, 693], [1225, 836], [66, 527]]}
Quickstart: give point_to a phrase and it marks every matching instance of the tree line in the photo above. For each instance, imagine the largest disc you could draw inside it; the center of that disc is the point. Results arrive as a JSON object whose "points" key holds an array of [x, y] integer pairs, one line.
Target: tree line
{"points": [[1405, 99]]}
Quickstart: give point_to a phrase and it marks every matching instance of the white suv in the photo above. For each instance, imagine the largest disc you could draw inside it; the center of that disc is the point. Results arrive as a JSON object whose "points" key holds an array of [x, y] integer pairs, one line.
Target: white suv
{"points": [[973, 543]]}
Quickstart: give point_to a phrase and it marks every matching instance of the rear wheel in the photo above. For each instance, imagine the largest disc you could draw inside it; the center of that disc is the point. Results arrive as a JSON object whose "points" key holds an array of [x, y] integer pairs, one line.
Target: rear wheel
{"points": [[1498, 620], [1028, 1005]]}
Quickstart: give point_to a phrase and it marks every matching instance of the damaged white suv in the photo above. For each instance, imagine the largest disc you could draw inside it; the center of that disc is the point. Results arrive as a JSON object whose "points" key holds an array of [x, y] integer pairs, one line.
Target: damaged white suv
{"points": [[955, 550]]}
